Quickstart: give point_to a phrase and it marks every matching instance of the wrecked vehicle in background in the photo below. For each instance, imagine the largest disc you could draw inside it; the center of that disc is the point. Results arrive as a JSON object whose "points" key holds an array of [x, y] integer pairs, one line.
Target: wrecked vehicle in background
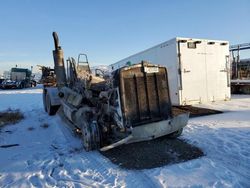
{"points": [[19, 78], [48, 77], [131, 105]]}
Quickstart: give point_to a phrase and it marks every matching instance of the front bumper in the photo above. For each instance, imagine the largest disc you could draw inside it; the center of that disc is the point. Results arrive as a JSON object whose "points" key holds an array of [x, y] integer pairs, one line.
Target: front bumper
{"points": [[152, 130]]}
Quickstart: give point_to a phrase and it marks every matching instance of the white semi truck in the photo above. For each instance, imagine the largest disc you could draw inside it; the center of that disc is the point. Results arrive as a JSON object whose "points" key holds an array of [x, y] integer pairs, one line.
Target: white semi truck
{"points": [[198, 69]]}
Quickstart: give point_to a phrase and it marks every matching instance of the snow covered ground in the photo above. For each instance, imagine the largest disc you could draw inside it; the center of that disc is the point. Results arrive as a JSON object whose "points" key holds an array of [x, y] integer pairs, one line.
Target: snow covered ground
{"points": [[48, 155]]}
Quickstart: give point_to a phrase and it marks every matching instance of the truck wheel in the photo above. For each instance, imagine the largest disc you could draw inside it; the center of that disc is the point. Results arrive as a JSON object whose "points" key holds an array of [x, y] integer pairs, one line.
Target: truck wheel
{"points": [[176, 133], [51, 110], [90, 136]]}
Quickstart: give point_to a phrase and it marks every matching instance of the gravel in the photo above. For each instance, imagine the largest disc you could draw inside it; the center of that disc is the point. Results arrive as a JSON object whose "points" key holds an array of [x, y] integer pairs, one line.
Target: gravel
{"points": [[151, 154]]}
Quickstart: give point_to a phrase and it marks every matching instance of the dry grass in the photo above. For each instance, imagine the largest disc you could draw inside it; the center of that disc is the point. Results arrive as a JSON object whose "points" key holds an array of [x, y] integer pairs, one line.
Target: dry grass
{"points": [[10, 116]]}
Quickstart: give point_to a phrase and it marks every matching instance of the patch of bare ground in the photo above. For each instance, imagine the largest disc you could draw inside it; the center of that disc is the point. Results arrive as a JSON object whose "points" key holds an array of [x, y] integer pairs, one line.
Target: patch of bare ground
{"points": [[152, 154], [45, 125], [31, 128], [194, 111]]}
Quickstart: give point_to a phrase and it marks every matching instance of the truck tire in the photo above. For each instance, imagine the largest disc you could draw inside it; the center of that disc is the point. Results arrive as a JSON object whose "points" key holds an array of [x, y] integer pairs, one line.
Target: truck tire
{"points": [[51, 109], [90, 135], [176, 133]]}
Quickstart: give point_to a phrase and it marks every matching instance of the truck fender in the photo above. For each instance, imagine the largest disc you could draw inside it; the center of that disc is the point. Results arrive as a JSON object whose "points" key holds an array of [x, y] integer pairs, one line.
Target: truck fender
{"points": [[53, 94]]}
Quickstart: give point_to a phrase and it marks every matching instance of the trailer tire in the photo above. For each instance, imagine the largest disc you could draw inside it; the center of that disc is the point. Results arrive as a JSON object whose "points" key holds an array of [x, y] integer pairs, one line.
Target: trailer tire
{"points": [[176, 133], [51, 109]]}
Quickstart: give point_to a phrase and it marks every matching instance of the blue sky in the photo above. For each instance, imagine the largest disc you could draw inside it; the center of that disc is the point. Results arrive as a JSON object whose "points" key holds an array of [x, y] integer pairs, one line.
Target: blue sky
{"points": [[111, 30]]}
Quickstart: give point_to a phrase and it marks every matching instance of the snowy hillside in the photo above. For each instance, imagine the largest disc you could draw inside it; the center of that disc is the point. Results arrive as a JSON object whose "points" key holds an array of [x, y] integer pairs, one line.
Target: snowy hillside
{"points": [[48, 155]]}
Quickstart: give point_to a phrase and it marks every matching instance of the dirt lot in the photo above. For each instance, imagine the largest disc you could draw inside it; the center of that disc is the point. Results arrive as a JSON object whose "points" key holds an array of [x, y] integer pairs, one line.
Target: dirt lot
{"points": [[194, 111]]}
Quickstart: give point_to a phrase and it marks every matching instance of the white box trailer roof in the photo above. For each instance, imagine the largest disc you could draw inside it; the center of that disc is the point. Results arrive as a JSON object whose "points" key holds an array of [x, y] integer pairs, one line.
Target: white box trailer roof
{"points": [[198, 69]]}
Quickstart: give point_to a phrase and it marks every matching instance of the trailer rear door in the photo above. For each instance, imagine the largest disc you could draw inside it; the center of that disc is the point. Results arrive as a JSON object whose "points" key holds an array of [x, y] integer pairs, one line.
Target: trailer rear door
{"points": [[217, 61], [193, 72]]}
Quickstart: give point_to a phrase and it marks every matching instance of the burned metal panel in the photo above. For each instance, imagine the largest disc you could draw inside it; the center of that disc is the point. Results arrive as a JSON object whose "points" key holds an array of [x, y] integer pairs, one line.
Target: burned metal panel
{"points": [[145, 96], [142, 98]]}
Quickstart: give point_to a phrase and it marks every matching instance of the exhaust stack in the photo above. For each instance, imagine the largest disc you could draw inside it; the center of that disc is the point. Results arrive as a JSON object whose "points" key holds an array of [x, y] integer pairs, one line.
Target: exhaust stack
{"points": [[59, 62]]}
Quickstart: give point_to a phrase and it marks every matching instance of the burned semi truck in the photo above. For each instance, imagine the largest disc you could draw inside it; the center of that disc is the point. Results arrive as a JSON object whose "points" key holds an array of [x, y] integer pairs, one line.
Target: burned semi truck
{"points": [[132, 104]]}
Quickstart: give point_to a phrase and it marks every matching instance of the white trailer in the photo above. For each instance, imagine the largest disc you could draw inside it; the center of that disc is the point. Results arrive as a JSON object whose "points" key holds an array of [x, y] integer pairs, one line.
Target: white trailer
{"points": [[198, 69]]}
